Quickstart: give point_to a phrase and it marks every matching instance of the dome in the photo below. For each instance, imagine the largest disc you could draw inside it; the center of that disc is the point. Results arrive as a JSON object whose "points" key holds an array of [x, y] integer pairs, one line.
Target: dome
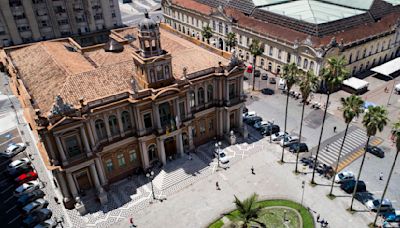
{"points": [[147, 23]]}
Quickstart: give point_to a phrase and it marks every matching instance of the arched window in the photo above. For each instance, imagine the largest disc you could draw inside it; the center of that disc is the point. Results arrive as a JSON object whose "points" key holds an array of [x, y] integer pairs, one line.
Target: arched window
{"points": [[383, 46], [126, 121], [377, 48], [361, 67], [384, 59], [299, 61], [270, 67], [389, 44], [366, 66], [192, 98], [113, 122], [210, 93], [247, 56], [312, 65], [200, 94], [379, 61], [350, 57], [305, 64], [165, 114], [100, 129], [278, 70], [354, 70], [371, 50], [365, 53], [357, 55], [373, 62], [262, 62], [152, 152]]}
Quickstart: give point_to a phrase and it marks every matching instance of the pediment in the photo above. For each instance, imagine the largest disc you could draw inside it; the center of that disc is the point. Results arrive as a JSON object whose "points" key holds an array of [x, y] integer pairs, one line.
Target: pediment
{"points": [[165, 92]]}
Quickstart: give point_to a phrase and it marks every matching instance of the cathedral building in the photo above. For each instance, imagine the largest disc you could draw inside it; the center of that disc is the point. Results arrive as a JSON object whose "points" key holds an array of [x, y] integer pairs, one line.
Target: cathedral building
{"points": [[104, 112]]}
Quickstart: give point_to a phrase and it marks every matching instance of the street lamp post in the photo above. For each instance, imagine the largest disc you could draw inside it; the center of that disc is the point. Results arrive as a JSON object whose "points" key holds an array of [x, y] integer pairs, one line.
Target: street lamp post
{"points": [[150, 175], [390, 95], [303, 183], [270, 131]]}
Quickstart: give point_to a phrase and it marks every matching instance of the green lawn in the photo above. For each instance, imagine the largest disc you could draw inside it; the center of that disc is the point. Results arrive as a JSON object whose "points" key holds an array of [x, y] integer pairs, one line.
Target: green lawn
{"points": [[273, 217]]}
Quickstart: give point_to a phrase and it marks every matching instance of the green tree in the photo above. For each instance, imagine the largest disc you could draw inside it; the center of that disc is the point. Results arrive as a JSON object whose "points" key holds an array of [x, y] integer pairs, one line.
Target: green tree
{"points": [[396, 136], [248, 211], [332, 75], [375, 119], [255, 50], [207, 33], [290, 74], [352, 107], [231, 40], [308, 82]]}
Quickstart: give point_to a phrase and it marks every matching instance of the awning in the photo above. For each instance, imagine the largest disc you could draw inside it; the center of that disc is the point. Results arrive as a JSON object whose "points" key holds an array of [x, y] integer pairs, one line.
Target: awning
{"points": [[388, 68], [356, 83]]}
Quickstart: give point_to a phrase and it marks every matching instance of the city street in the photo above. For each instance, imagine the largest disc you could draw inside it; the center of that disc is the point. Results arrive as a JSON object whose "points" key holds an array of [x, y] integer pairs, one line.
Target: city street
{"points": [[132, 13]]}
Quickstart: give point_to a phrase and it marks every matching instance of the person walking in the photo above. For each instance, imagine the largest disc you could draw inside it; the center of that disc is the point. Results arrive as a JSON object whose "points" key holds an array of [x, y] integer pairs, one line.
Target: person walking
{"points": [[318, 216], [252, 170], [381, 176], [334, 129], [217, 185]]}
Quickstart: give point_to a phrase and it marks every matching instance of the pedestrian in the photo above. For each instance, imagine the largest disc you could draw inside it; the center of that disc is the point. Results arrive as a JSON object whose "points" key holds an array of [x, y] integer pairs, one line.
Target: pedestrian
{"points": [[252, 170], [217, 185], [318, 216], [380, 176], [326, 224], [131, 221], [334, 129]]}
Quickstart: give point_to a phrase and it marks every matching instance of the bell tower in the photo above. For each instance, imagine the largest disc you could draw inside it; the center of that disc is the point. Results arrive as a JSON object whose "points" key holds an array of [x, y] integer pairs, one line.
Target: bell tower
{"points": [[153, 66]]}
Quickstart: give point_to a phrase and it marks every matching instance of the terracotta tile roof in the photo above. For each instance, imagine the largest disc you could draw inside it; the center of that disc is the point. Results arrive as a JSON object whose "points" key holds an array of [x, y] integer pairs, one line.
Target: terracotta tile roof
{"points": [[103, 58], [193, 5]]}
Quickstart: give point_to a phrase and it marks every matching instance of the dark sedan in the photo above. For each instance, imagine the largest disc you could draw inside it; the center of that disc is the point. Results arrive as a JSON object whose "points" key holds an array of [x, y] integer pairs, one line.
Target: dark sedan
{"points": [[29, 197], [252, 120], [376, 151], [269, 129], [298, 147], [37, 217], [267, 91]]}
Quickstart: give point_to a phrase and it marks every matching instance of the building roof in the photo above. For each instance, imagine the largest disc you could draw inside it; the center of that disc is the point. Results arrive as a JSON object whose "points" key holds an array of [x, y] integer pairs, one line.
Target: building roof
{"points": [[52, 68], [388, 68], [393, 2], [314, 12]]}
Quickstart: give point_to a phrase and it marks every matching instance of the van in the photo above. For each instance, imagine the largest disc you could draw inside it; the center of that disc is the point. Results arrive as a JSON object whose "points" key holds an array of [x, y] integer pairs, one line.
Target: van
{"points": [[282, 84]]}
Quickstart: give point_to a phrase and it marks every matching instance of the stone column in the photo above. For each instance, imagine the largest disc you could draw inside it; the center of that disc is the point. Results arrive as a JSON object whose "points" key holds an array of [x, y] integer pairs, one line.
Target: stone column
{"points": [[91, 137], [63, 187], [205, 93], [228, 122], [241, 87], [93, 128], [191, 144], [107, 127], [156, 113], [196, 97], [179, 143], [85, 142], [221, 122], [138, 120], [177, 113], [161, 150], [240, 117], [121, 127], [132, 119], [99, 166], [101, 194], [226, 98], [71, 184], [188, 109], [61, 150], [144, 155], [50, 149]]}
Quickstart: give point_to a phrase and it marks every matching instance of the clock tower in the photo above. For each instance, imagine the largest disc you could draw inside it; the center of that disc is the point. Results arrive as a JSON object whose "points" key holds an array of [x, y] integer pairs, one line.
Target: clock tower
{"points": [[153, 66]]}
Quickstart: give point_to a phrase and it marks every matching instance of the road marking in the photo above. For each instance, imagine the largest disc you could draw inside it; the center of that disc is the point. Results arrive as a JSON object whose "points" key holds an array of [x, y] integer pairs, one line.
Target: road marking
{"points": [[14, 219], [12, 208], [8, 199], [5, 190]]}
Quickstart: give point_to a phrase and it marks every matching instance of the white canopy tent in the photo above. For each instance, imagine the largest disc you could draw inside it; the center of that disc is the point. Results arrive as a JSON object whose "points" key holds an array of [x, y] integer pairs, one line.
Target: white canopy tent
{"points": [[355, 83], [388, 68]]}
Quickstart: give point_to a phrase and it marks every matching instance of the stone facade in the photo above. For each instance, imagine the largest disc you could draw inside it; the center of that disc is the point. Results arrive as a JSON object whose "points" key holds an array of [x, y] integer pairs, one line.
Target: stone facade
{"points": [[30, 21]]}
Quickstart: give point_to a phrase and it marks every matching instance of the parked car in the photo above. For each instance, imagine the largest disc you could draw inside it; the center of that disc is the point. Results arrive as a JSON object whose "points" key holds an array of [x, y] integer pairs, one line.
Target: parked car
{"points": [[348, 186], [29, 197], [267, 91], [20, 170], [249, 114], [37, 217], [270, 129], [245, 110], [25, 177], [287, 141], [222, 156], [373, 205], [261, 124], [282, 84], [364, 197], [276, 138], [252, 120], [298, 147], [393, 216], [13, 149], [344, 176], [376, 151], [264, 77], [257, 73], [49, 223], [34, 206], [27, 187], [397, 88], [272, 80], [18, 163]]}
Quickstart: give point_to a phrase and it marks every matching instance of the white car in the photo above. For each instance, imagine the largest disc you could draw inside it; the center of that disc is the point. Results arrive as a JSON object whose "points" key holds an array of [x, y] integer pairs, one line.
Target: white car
{"points": [[13, 149], [344, 176], [34, 206], [397, 88], [373, 205], [287, 141], [18, 163], [27, 187], [277, 137], [249, 114], [260, 124]]}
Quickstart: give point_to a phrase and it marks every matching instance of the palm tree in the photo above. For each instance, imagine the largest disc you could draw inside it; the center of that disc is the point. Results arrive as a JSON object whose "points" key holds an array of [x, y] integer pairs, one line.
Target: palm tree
{"points": [[207, 33], [256, 50], [290, 74], [352, 107], [396, 135], [308, 83], [375, 119], [231, 40], [332, 75], [248, 210]]}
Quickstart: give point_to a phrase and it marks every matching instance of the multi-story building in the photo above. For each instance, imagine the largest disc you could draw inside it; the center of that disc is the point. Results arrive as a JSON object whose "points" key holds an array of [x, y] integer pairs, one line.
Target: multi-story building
{"points": [[307, 32], [35, 20], [105, 111]]}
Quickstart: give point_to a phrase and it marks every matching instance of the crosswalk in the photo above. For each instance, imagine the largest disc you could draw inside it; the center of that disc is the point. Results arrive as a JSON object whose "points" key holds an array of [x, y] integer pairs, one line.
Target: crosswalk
{"points": [[352, 149]]}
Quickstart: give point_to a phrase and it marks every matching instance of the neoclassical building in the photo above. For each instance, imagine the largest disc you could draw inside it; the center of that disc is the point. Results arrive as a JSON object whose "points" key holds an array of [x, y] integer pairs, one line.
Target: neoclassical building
{"points": [[366, 33], [103, 112]]}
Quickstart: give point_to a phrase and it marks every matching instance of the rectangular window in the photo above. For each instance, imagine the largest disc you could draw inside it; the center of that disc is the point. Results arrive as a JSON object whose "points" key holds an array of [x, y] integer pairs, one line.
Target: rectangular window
{"points": [[271, 51], [109, 165], [132, 156], [182, 110], [211, 125], [289, 56], [147, 121], [279, 54], [121, 160], [240, 39], [72, 146]]}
